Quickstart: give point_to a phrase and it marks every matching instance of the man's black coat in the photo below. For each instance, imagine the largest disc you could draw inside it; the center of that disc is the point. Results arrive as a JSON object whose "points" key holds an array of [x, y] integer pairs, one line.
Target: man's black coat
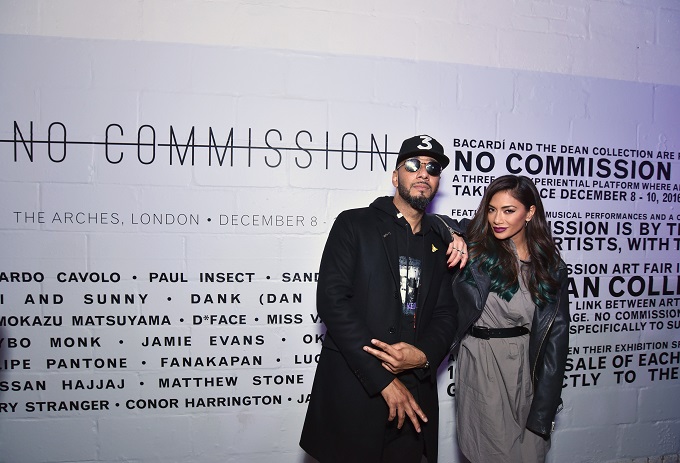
{"points": [[358, 299]]}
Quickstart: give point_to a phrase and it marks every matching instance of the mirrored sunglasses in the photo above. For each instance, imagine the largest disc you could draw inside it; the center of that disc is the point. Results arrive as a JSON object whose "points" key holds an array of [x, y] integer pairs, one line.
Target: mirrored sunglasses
{"points": [[413, 165]]}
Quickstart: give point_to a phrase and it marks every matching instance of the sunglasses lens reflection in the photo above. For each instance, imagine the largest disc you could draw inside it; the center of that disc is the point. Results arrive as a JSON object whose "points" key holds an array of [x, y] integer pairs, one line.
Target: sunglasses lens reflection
{"points": [[432, 168]]}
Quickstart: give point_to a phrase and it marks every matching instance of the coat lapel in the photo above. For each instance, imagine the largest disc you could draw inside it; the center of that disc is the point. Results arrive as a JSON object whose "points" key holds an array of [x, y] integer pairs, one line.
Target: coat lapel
{"points": [[390, 247]]}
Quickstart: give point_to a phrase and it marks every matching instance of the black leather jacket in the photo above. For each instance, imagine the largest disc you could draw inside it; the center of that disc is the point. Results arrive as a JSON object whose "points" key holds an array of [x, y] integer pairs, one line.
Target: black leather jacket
{"points": [[548, 342]]}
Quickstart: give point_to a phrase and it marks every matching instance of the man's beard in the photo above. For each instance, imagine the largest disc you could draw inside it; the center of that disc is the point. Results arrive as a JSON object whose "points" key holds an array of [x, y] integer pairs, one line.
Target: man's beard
{"points": [[419, 202]]}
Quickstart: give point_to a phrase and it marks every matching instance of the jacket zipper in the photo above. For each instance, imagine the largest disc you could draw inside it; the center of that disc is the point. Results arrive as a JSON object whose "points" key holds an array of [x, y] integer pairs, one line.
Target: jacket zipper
{"points": [[420, 281], [540, 346]]}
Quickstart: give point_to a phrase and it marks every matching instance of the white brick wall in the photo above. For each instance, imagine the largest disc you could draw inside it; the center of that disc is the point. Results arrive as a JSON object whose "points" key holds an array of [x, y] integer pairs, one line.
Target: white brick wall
{"points": [[627, 40], [542, 71]]}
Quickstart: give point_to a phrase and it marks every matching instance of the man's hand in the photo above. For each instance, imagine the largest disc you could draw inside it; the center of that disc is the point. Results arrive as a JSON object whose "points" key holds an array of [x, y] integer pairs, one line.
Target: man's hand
{"points": [[457, 252], [397, 357], [402, 404]]}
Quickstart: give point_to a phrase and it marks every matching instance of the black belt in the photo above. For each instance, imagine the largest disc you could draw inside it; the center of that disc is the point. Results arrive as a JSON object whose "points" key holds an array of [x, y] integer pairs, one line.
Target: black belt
{"points": [[488, 333]]}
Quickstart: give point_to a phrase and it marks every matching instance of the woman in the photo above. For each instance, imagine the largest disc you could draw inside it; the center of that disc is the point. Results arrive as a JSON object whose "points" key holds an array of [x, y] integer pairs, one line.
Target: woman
{"points": [[513, 328]]}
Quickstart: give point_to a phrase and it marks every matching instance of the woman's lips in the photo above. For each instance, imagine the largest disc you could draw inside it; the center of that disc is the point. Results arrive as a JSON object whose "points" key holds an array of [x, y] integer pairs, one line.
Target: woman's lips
{"points": [[499, 229]]}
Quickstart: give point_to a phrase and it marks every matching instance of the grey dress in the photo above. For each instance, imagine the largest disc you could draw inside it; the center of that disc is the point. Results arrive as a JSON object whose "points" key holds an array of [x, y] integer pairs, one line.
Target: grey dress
{"points": [[494, 388]]}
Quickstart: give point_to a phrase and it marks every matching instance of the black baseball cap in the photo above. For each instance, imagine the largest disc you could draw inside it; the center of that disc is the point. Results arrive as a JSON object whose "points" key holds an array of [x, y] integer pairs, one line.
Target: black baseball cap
{"points": [[422, 145]]}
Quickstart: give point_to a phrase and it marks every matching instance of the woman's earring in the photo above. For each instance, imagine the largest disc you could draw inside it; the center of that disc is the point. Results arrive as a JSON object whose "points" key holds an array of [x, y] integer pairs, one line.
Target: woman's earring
{"points": [[526, 224]]}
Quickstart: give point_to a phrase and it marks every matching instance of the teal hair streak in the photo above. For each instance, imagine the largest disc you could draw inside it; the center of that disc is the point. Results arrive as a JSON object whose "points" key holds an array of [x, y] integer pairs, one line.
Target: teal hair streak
{"points": [[504, 289], [544, 294], [490, 265], [499, 284]]}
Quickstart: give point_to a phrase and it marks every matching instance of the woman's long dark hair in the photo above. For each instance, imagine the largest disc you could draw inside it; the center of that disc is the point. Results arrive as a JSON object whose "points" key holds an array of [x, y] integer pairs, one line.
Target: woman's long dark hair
{"points": [[497, 257]]}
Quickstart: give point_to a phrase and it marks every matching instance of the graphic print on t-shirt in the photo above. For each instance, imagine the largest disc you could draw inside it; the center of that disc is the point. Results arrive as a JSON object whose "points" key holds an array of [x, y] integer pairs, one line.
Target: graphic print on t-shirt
{"points": [[409, 272]]}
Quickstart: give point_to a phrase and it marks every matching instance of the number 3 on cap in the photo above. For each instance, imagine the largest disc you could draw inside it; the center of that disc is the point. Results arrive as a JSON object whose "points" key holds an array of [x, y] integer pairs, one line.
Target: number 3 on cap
{"points": [[425, 145]]}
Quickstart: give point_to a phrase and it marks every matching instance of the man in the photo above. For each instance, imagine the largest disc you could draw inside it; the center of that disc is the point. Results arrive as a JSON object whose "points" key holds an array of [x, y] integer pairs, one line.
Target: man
{"points": [[385, 297]]}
